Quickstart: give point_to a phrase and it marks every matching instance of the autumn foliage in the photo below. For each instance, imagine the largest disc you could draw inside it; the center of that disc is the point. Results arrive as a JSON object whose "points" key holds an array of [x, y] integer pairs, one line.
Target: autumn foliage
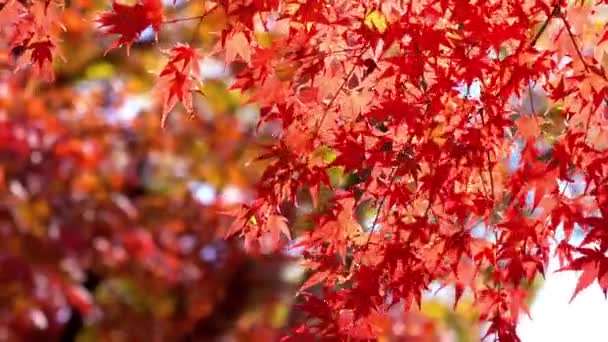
{"points": [[398, 146]]}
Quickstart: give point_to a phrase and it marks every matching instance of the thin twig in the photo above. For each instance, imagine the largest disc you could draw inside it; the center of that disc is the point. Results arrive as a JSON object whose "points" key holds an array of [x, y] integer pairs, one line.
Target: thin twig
{"points": [[335, 96], [488, 157], [200, 21], [178, 20], [327, 54], [580, 56], [578, 50], [200, 17], [531, 99], [545, 25], [198, 25], [380, 205], [483, 182]]}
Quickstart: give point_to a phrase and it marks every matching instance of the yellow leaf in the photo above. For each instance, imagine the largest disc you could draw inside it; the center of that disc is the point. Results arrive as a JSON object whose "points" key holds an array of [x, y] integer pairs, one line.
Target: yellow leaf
{"points": [[454, 36], [326, 154], [221, 99], [286, 70], [99, 71], [215, 21], [280, 314], [291, 8], [264, 39], [127, 2], [437, 134], [554, 123], [376, 20], [434, 310]]}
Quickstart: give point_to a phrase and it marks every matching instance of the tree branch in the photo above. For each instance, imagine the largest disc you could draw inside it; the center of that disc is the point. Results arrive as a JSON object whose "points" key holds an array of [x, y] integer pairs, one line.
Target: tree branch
{"points": [[545, 25]]}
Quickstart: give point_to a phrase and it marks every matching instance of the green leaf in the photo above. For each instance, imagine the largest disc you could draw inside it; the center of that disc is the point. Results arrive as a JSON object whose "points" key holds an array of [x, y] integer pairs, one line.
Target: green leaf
{"points": [[504, 53]]}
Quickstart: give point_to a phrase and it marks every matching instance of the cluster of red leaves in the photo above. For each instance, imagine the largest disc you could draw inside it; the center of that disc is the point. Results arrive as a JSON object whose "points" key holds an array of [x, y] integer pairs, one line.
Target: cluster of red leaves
{"points": [[31, 33], [398, 166], [376, 85], [176, 78]]}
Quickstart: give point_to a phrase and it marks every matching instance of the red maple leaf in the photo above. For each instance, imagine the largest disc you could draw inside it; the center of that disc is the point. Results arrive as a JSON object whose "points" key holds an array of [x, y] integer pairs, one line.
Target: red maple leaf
{"points": [[42, 57], [594, 265], [130, 21], [176, 78]]}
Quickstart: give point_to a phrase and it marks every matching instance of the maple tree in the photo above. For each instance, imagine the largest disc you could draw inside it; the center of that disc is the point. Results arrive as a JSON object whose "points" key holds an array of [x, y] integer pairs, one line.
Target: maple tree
{"points": [[400, 144]]}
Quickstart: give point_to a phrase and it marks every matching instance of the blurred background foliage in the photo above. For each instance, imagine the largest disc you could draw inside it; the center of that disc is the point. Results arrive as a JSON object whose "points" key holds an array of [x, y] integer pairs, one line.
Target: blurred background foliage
{"points": [[111, 229]]}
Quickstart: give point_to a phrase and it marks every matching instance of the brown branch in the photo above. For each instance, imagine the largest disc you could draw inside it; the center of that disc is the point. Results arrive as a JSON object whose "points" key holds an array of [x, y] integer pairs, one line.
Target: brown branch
{"points": [[576, 47], [545, 25], [587, 69], [179, 20], [200, 19]]}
